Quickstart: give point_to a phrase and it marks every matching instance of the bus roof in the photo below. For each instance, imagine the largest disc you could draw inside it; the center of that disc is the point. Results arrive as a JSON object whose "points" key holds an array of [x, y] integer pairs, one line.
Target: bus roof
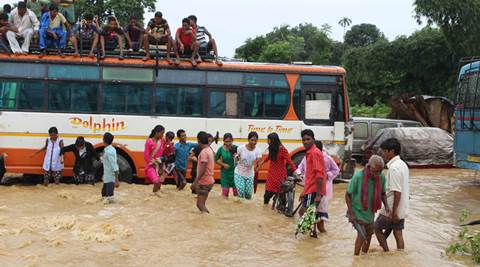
{"points": [[134, 62], [470, 67]]}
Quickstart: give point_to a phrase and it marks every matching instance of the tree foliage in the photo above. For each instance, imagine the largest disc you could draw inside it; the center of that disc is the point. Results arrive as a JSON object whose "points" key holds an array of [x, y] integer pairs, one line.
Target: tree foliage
{"points": [[407, 65], [121, 9], [426, 62], [458, 20], [363, 35], [285, 44]]}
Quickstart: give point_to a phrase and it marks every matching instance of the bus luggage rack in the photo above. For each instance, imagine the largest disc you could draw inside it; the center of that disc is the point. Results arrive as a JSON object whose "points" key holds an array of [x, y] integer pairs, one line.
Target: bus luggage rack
{"points": [[161, 52], [467, 60]]}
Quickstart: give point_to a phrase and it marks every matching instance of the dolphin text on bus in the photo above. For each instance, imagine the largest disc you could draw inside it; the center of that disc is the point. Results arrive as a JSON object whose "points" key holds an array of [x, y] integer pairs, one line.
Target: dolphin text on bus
{"points": [[105, 125]]}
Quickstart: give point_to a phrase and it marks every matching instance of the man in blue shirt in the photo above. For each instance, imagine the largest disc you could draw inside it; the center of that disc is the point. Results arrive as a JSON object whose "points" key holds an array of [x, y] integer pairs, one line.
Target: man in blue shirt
{"points": [[182, 151], [110, 168]]}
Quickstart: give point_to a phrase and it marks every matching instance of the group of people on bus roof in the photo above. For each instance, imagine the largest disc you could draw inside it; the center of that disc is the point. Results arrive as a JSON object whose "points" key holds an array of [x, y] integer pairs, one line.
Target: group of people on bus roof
{"points": [[368, 193], [55, 25]]}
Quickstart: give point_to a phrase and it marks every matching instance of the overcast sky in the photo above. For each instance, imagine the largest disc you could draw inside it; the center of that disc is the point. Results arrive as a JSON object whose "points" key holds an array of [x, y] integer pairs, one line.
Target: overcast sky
{"points": [[232, 22]]}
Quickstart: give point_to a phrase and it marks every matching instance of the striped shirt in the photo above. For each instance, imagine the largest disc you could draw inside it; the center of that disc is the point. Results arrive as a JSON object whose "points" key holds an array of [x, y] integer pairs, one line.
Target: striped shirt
{"points": [[201, 35]]}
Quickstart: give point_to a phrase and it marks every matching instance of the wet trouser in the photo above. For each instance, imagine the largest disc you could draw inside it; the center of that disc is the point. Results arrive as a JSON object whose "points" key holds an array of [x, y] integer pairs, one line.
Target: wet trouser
{"points": [[47, 40], [107, 189], [180, 181], [26, 34], [244, 186]]}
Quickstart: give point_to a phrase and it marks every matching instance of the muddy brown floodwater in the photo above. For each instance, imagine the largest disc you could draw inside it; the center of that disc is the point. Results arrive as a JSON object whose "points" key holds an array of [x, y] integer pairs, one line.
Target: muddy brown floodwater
{"points": [[68, 225]]}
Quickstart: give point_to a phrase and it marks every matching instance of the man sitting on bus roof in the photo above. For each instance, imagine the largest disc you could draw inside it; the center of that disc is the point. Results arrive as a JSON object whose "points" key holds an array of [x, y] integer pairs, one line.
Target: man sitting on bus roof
{"points": [[86, 33], [158, 33], [67, 9], [187, 42], [5, 27], [111, 37], [26, 23], [205, 46], [134, 34], [51, 31]]}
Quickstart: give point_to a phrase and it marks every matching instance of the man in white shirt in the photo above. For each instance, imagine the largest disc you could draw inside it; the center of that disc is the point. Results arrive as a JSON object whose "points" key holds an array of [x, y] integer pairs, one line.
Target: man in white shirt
{"points": [[398, 196], [26, 22]]}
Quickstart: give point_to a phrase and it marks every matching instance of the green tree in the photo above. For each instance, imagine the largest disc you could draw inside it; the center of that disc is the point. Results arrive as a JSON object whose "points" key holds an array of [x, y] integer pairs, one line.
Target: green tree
{"points": [[252, 49], [121, 9], [285, 44], [418, 64], [363, 35], [345, 22], [459, 21]]}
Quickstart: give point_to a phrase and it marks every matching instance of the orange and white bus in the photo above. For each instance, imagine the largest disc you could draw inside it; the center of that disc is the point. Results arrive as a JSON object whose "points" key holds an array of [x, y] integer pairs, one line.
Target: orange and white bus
{"points": [[86, 97]]}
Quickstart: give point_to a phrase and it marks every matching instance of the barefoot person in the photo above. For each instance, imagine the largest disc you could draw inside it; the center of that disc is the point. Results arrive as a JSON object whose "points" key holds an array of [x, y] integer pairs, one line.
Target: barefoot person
{"points": [[154, 147], [187, 42], [182, 151], [158, 33], [249, 159], [224, 158], [398, 195], [52, 164], [277, 172], [110, 169], [315, 177], [364, 198], [205, 45], [86, 34], [85, 154], [332, 171], [204, 182]]}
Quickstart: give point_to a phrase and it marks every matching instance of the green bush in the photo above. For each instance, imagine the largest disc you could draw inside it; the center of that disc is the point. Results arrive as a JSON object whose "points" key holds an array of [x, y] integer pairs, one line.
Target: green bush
{"points": [[469, 241], [378, 110]]}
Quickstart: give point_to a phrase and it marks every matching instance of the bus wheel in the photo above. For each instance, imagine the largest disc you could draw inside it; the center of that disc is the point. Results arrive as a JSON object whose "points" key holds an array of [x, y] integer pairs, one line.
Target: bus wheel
{"points": [[126, 172]]}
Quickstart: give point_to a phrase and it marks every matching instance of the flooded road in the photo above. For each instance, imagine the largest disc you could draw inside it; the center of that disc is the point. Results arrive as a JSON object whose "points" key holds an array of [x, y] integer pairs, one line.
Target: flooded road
{"points": [[68, 225]]}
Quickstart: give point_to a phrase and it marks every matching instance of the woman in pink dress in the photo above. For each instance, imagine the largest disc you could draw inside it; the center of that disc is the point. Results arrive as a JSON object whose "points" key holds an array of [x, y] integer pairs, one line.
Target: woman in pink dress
{"points": [[154, 147]]}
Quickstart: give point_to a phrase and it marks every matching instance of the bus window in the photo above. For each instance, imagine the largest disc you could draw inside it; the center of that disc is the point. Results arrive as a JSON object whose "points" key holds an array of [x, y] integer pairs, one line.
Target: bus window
{"points": [[73, 72], [276, 103], [223, 104], [224, 78], [318, 79], [266, 80], [138, 99], [72, 97], [127, 74], [318, 105], [190, 101], [167, 76], [254, 103], [166, 101], [8, 95], [22, 70], [31, 95], [126, 98]]}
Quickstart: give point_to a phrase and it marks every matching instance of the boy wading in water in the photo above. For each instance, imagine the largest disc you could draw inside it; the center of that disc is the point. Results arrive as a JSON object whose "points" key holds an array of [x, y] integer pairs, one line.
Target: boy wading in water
{"points": [[110, 169], [364, 198], [52, 164], [204, 182], [315, 177], [398, 196]]}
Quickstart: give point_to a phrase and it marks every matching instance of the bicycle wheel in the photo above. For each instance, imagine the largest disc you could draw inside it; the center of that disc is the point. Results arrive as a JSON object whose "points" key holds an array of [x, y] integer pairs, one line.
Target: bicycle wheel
{"points": [[290, 204]]}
